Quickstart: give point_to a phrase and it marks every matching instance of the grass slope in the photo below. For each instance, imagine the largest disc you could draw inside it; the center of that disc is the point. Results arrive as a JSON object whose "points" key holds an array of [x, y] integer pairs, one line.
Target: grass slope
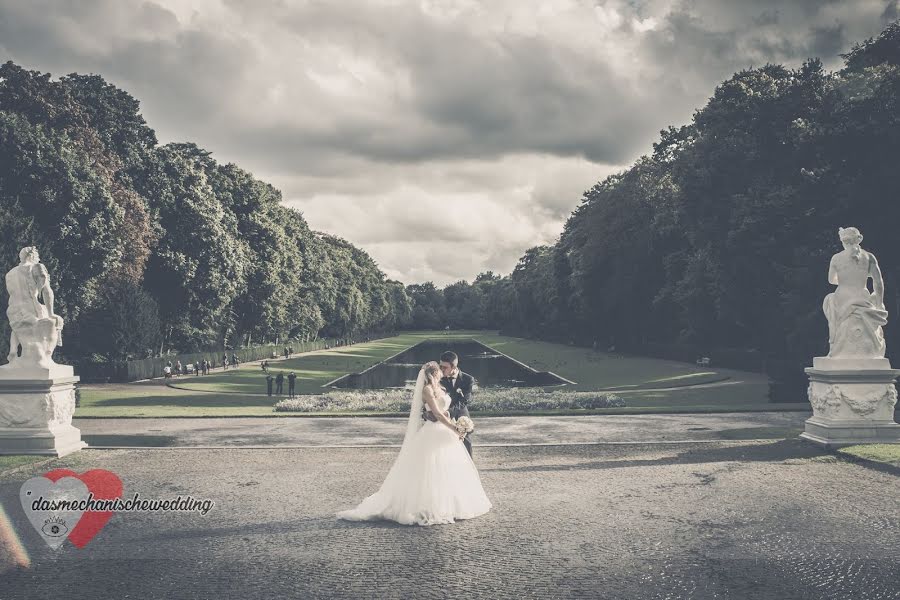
{"points": [[241, 392]]}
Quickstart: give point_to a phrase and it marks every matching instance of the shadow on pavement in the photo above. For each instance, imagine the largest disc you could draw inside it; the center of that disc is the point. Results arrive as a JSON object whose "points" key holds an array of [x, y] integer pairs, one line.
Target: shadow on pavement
{"points": [[775, 452], [130, 440]]}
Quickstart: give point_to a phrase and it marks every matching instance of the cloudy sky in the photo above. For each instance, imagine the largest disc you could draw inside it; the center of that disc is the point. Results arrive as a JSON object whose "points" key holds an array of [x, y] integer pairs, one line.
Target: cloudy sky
{"points": [[444, 137]]}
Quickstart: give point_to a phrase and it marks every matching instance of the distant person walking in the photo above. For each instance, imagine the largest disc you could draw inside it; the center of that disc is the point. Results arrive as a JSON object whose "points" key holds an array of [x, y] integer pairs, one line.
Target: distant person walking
{"points": [[292, 379], [279, 384], [269, 380], [178, 367]]}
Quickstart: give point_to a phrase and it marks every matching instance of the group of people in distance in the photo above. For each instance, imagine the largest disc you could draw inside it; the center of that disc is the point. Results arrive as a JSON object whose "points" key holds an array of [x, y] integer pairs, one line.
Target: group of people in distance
{"points": [[278, 380], [200, 367], [274, 384], [235, 361]]}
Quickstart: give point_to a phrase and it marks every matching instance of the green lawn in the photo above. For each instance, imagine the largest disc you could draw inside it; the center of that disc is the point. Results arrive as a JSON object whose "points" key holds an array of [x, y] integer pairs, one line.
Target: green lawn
{"points": [[592, 370], [241, 392], [888, 454], [313, 369]]}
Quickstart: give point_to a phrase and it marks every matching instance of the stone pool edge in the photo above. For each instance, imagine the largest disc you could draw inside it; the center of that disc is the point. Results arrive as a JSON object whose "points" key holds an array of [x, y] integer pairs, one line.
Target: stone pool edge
{"points": [[562, 379]]}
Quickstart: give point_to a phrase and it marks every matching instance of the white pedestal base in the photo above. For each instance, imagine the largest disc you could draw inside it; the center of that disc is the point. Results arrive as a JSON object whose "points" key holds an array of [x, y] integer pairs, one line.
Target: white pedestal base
{"points": [[853, 402], [36, 417], [18, 371]]}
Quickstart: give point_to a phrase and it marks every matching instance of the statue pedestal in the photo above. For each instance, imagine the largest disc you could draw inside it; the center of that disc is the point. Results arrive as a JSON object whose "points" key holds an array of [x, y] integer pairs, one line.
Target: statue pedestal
{"points": [[36, 414], [853, 402]]}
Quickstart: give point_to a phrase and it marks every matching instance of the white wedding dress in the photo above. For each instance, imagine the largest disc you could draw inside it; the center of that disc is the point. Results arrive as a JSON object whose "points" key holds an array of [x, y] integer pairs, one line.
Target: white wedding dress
{"points": [[433, 480]]}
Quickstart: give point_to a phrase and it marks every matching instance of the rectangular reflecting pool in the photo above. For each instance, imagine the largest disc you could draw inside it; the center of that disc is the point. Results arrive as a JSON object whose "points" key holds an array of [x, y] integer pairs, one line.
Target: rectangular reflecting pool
{"points": [[487, 366]]}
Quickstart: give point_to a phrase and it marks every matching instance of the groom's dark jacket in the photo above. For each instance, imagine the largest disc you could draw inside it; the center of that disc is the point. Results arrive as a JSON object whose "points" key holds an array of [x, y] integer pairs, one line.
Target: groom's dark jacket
{"points": [[460, 393]]}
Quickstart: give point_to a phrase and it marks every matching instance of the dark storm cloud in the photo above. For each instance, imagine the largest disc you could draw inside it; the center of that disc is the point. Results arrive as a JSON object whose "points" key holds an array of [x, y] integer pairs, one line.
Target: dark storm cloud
{"points": [[375, 119], [179, 74], [719, 37], [471, 94], [891, 13]]}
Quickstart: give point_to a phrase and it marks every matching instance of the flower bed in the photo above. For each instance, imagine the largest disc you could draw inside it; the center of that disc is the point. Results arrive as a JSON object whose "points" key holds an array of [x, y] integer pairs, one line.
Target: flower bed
{"points": [[485, 399]]}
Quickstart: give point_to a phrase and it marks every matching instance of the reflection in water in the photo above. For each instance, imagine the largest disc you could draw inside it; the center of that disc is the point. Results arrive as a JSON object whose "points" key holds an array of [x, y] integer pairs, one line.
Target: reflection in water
{"points": [[487, 367]]}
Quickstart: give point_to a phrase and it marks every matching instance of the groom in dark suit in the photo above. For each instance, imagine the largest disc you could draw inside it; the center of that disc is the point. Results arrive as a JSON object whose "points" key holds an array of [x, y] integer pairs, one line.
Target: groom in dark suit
{"points": [[459, 386]]}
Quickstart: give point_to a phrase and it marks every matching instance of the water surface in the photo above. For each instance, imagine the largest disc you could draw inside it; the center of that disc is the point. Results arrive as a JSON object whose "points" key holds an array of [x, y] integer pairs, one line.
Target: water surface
{"points": [[487, 366]]}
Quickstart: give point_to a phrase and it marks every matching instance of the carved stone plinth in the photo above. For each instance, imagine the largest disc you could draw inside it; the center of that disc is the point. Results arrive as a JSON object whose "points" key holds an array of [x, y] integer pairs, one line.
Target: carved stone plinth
{"points": [[853, 402], [33, 372], [36, 416]]}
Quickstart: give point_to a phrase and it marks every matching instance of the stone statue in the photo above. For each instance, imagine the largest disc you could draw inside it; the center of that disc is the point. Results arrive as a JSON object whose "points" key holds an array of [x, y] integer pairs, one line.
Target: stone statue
{"points": [[34, 325], [852, 390], [37, 395], [855, 315]]}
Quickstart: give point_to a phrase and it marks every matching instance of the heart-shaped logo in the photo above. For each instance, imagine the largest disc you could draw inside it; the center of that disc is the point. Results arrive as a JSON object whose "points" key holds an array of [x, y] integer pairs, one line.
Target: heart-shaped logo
{"points": [[57, 522], [42, 498]]}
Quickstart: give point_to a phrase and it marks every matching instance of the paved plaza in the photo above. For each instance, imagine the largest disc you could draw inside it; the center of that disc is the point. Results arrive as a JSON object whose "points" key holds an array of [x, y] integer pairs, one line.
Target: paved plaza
{"points": [[380, 431], [776, 519]]}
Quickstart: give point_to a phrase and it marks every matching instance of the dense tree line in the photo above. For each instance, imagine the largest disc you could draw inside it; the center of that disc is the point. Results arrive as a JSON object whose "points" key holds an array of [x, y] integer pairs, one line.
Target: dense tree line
{"points": [[155, 247], [721, 237], [718, 238]]}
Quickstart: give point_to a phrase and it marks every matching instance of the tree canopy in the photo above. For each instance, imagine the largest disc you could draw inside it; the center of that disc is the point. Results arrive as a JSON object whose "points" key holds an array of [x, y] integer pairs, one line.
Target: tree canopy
{"points": [[719, 237], [203, 254]]}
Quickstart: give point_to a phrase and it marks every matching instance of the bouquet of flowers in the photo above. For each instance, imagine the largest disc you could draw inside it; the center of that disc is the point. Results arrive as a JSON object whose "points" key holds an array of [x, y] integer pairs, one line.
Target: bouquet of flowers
{"points": [[465, 425]]}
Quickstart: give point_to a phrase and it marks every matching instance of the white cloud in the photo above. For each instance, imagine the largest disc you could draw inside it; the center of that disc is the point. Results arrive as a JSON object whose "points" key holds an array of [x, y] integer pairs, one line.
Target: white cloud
{"points": [[375, 116], [485, 213]]}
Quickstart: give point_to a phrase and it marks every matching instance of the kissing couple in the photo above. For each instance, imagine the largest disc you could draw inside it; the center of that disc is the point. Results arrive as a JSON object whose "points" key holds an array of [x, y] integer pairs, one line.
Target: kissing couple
{"points": [[433, 479]]}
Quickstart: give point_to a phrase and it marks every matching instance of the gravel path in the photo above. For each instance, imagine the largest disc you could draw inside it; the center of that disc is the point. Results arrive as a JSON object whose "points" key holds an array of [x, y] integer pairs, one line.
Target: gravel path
{"points": [[769, 520], [378, 431]]}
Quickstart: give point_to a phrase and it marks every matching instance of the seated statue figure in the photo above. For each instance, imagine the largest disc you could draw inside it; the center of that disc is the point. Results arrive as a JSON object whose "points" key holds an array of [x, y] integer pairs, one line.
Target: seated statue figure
{"points": [[34, 325], [855, 315]]}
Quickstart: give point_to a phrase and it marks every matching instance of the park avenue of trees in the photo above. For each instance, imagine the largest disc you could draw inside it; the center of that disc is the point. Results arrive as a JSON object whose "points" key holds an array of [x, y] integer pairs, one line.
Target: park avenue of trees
{"points": [[719, 238]]}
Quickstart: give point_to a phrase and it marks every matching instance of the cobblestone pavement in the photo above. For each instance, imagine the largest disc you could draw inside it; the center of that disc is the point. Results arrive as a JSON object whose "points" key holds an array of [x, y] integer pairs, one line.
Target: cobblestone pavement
{"points": [[329, 431], [769, 520]]}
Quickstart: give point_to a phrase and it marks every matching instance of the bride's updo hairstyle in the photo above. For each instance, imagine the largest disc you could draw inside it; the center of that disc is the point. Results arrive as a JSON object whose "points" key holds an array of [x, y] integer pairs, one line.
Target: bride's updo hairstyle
{"points": [[432, 374]]}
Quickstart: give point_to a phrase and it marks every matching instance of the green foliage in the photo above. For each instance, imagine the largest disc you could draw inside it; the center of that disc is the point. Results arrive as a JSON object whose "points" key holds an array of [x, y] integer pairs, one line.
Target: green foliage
{"points": [[198, 266], [884, 49], [721, 237], [428, 310], [123, 325], [203, 255]]}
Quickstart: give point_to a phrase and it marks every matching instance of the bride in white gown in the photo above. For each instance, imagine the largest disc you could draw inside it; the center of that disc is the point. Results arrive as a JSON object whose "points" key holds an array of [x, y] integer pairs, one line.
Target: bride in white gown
{"points": [[433, 479]]}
